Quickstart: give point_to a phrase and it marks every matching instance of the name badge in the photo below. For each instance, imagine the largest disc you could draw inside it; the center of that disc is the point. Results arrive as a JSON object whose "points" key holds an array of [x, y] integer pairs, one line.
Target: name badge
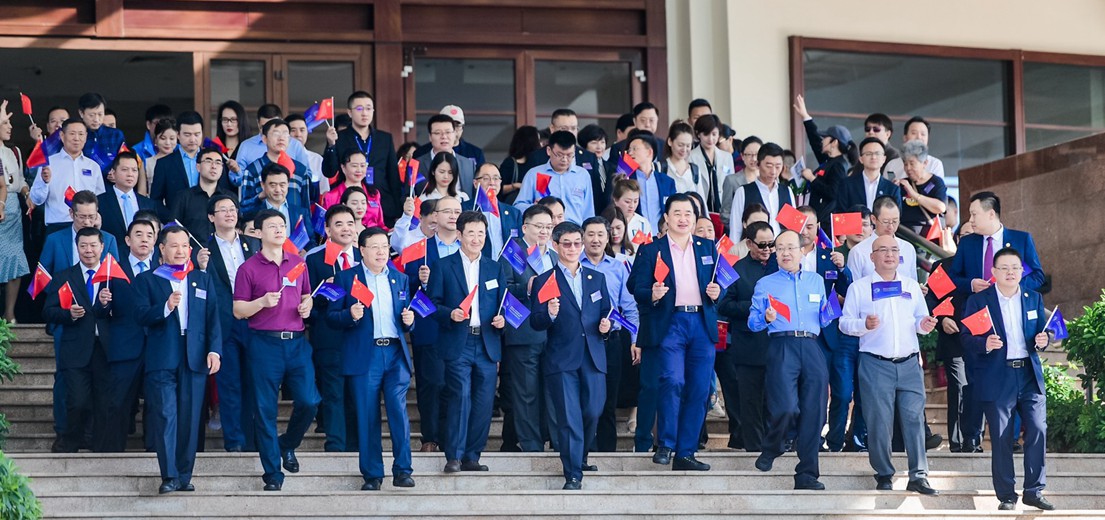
{"points": [[491, 284], [577, 193], [201, 294], [707, 260], [370, 175], [1031, 315], [928, 189], [830, 275], [288, 283], [596, 296], [815, 298], [514, 233], [901, 259], [587, 166], [402, 294], [86, 173], [373, 204], [907, 295]]}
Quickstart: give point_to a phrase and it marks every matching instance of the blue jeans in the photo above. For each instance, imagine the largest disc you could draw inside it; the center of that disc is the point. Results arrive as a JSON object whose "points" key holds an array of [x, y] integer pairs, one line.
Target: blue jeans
{"points": [[842, 364]]}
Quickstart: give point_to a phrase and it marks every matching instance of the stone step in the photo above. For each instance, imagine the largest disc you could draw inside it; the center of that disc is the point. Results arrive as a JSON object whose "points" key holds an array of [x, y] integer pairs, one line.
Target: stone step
{"points": [[31, 332], [590, 515]]}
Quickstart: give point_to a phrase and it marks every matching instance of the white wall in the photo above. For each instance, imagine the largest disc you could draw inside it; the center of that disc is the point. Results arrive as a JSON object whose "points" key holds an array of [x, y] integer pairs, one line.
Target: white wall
{"points": [[743, 68]]}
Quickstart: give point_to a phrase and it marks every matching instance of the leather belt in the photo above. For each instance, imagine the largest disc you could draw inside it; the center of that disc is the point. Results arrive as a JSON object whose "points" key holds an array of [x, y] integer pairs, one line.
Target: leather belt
{"points": [[688, 308], [387, 342], [1017, 363], [793, 334], [294, 334], [473, 331], [895, 360]]}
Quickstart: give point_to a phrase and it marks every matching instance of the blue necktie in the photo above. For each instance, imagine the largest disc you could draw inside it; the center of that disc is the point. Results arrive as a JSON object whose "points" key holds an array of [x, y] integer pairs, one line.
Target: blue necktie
{"points": [[141, 267], [128, 209], [91, 287]]}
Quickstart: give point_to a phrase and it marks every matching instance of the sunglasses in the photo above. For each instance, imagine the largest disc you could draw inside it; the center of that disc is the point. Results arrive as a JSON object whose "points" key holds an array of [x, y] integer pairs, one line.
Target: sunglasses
{"points": [[765, 245], [872, 129]]}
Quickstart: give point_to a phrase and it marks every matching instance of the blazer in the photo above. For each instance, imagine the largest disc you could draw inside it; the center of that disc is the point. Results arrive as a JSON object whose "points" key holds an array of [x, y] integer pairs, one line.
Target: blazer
{"points": [[966, 265], [164, 350], [518, 285], [723, 168], [987, 369], [664, 184], [426, 331], [77, 336], [748, 348], [510, 220], [356, 338], [57, 251], [126, 337], [324, 336], [448, 289], [111, 214], [170, 181], [467, 172], [656, 319], [382, 160], [575, 331], [854, 192], [830, 334], [216, 267]]}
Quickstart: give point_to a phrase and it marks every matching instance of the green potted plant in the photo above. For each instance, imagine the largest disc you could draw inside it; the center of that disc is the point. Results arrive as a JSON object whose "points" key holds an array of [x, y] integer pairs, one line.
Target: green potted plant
{"points": [[1086, 345]]}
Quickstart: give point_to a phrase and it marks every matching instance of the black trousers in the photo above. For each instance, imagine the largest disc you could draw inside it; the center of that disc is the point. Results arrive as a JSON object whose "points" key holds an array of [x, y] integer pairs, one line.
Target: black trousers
{"points": [[753, 411], [606, 438], [87, 398], [726, 369], [521, 390]]}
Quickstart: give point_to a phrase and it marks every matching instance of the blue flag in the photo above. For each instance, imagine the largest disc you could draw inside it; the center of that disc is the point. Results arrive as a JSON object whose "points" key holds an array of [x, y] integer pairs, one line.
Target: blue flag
{"points": [[534, 259], [515, 256], [882, 290], [620, 319], [318, 220], [330, 291], [299, 235], [724, 273], [312, 119], [172, 273], [1057, 325], [830, 308], [422, 305], [514, 311], [823, 239]]}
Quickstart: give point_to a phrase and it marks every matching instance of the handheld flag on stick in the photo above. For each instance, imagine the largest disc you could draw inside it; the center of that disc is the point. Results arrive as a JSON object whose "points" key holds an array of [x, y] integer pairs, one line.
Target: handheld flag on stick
{"points": [[830, 308], [415, 251], [361, 293], [466, 303], [513, 310], [485, 202], [791, 218], [300, 237], [173, 273], [69, 194], [40, 156], [724, 245], [940, 283], [641, 238], [65, 296], [1057, 325], [415, 221], [514, 256], [944, 309], [549, 290], [847, 223], [26, 106], [627, 166], [725, 274], [533, 258], [543, 184], [217, 144], [780, 307], [109, 269], [290, 247], [980, 322], [329, 290], [617, 317], [823, 239], [318, 220], [284, 160], [333, 249], [422, 305], [935, 231], [661, 271], [295, 272], [39, 282]]}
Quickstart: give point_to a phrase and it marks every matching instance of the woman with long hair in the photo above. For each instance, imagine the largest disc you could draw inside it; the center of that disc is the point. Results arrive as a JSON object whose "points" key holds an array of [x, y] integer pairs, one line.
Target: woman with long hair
{"points": [[525, 141], [233, 127], [164, 141], [443, 179], [355, 198]]}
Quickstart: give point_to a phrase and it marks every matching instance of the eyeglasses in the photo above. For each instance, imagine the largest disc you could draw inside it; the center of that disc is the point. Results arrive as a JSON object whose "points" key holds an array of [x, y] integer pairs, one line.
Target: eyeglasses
{"points": [[764, 245], [787, 249], [492, 179], [894, 222], [571, 245], [748, 155], [376, 247], [226, 211], [229, 120], [564, 156], [1010, 269], [442, 133], [216, 162], [872, 154], [884, 250], [541, 227], [872, 129]]}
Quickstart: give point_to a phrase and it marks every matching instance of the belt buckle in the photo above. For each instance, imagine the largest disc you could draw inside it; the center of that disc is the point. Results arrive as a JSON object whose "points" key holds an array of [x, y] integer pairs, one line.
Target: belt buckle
{"points": [[381, 342], [286, 335], [1018, 363]]}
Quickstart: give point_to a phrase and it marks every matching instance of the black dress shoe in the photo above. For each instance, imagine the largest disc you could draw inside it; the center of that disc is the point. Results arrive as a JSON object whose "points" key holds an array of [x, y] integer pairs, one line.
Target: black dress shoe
{"points": [[453, 466], [274, 486], [589, 467], [186, 487], [1038, 501], [372, 484], [811, 485], [402, 480], [884, 484], [764, 462], [573, 484], [168, 486], [788, 446], [921, 486], [955, 448], [471, 465], [933, 441], [1009, 505], [290, 462], [689, 464], [735, 443], [1017, 448], [235, 449], [662, 456]]}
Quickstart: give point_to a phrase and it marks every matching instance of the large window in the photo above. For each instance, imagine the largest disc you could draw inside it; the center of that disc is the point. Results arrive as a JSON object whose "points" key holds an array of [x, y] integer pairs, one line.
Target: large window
{"points": [[1062, 102], [483, 88]]}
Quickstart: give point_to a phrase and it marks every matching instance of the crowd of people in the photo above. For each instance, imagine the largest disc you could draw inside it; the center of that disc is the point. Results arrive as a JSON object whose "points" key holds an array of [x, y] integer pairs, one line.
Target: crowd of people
{"points": [[679, 274]]}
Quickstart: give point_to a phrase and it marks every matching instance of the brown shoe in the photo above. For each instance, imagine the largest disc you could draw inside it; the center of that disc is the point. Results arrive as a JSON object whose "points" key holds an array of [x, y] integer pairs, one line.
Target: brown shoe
{"points": [[428, 447]]}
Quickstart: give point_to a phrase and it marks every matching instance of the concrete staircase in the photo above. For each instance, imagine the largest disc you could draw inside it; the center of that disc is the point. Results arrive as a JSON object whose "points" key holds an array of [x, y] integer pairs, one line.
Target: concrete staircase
{"points": [[125, 485]]}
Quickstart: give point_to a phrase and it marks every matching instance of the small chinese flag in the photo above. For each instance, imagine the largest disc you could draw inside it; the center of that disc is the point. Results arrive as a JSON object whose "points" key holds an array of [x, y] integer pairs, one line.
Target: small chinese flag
{"points": [[549, 290], [361, 293], [780, 307], [935, 230], [791, 218], [944, 309], [326, 109], [413, 252], [122, 148], [293, 273], [660, 273], [466, 304], [724, 246], [641, 238], [403, 171], [332, 252], [39, 282], [940, 283], [26, 103], [543, 184], [979, 323], [109, 269], [847, 223], [65, 296], [69, 193], [290, 247], [285, 161]]}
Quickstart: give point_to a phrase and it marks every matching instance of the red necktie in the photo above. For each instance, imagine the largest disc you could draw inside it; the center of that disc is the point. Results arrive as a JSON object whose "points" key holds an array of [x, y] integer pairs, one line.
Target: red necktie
{"points": [[345, 261]]}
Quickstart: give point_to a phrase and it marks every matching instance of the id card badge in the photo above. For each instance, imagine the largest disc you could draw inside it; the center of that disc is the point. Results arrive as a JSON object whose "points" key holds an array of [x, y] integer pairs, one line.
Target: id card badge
{"points": [[830, 275], [707, 260]]}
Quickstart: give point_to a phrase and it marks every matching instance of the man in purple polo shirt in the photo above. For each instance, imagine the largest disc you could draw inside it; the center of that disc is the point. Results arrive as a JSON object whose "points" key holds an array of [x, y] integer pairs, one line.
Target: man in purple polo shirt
{"points": [[273, 292]]}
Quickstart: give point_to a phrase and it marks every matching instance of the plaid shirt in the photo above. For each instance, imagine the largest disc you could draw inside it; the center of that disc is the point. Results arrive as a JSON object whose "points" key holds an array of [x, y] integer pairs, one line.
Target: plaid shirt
{"points": [[298, 186]]}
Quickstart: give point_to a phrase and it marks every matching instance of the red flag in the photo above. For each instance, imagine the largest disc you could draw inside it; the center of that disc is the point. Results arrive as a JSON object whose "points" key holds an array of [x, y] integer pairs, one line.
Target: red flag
{"points": [[37, 157], [69, 193], [290, 247], [979, 323], [413, 177], [549, 290], [325, 109], [543, 184], [65, 296], [293, 273], [935, 231], [944, 309], [724, 246], [26, 103], [940, 283], [333, 249], [109, 269], [285, 161], [780, 307], [413, 252], [417, 213], [660, 272], [847, 223], [361, 293], [641, 238], [122, 148], [39, 282], [403, 170], [466, 304], [791, 218]]}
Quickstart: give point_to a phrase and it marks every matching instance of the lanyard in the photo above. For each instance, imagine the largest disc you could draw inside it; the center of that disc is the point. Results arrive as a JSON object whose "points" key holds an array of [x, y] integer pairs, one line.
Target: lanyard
{"points": [[365, 146]]}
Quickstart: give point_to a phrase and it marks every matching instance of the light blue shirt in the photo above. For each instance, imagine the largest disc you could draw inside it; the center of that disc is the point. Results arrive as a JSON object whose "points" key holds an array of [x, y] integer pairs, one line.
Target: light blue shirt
{"points": [[283, 209], [650, 199], [803, 292], [494, 233], [575, 283], [573, 187], [190, 166], [383, 319], [252, 149], [443, 249], [616, 277]]}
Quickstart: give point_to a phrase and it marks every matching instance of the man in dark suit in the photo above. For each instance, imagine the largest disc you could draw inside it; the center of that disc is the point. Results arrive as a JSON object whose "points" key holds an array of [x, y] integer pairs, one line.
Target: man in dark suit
{"points": [[575, 359], [1005, 366], [680, 326], [501, 227], [442, 130], [379, 150], [118, 205], [971, 268], [747, 350], [176, 172], [429, 369], [375, 357], [467, 295], [964, 414], [862, 187], [228, 251], [326, 340], [184, 347], [82, 352], [655, 185]]}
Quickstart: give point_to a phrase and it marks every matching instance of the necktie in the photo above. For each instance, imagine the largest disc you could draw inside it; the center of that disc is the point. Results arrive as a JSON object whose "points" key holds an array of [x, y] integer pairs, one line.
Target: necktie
{"points": [[89, 286], [988, 259], [141, 267], [345, 261], [128, 209]]}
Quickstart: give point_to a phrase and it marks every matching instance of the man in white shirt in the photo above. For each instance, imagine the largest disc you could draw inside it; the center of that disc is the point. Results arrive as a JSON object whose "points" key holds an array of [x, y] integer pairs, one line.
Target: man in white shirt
{"points": [[885, 218], [887, 311], [765, 190], [402, 235], [915, 129], [69, 168]]}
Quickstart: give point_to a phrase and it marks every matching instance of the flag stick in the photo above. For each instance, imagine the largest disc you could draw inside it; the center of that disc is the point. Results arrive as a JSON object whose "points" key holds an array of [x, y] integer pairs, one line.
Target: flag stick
{"points": [[177, 222], [714, 275], [319, 286], [501, 303]]}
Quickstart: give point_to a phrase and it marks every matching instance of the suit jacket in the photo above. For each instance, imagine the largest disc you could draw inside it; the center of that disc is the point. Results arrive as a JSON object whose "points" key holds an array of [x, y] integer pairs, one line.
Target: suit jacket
{"points": [[664, 184], [217, 269], [170, 181], [987, 369], [830, 334], [57, 252], [656, 319], [510, 221], [467, 172], [356, 338], [126, 337], [448, 289], [323, 335], [749, 348], [425, 332], [518, 285], [111, 213], [382, 160], [166, 348], [574, 334], [77, 336], [966, 265], [854, 192]]}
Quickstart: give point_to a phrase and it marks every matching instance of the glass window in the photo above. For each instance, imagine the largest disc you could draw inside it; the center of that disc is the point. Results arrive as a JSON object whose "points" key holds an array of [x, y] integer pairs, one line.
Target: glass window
{"points": [[1062, 102], [311, 81], [241, 80], [588, 87]]}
